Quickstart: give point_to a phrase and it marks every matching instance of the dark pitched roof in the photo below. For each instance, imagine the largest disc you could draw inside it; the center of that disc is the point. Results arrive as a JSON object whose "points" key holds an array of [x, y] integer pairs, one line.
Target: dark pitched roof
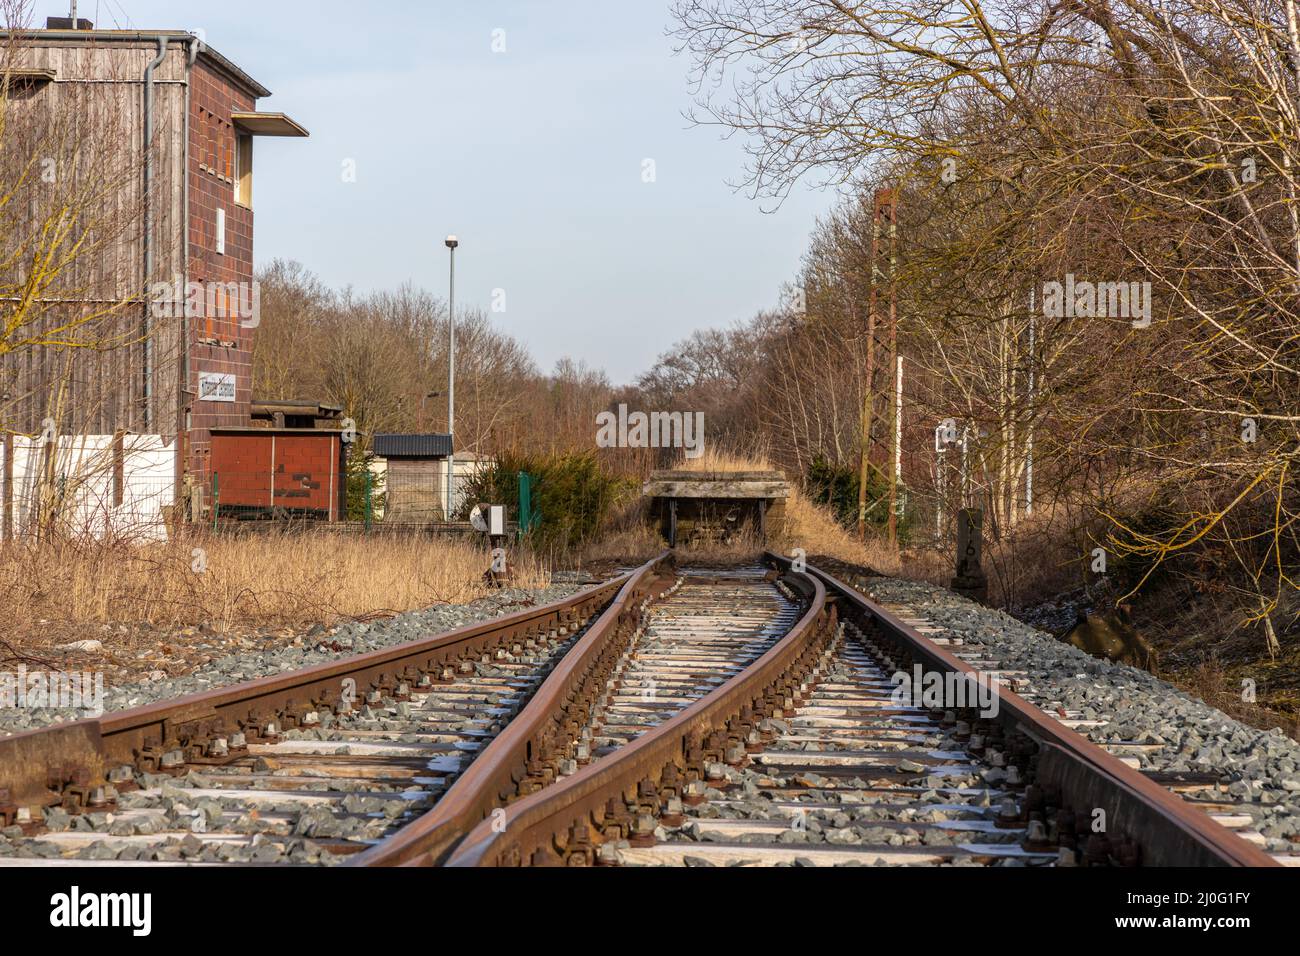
{"points": [[412, 446]]}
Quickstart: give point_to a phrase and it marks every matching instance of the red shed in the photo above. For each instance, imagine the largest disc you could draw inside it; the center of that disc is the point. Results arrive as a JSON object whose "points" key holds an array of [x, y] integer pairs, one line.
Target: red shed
{"points": [[279, 472]]}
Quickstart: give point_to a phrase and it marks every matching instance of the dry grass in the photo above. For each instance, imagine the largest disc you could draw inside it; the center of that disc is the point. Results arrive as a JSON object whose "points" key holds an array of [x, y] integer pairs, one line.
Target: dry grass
{"points": [[807, 526], [813, 528], [636, 546], [1035, 563], [1221, 687], [245, 581]]}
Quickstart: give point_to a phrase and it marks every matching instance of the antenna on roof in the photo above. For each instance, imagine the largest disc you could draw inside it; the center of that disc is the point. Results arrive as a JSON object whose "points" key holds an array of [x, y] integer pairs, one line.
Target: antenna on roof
{"points": [[72, 14]]}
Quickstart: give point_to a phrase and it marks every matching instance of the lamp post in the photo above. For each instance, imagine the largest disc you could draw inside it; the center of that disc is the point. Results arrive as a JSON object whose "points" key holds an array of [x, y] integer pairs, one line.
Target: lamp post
{"points": [[452, 242]]}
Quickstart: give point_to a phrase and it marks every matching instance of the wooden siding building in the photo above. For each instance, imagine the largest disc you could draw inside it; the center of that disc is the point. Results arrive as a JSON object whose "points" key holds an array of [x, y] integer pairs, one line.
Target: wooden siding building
{"points": [[152, 133], [415, 490]]}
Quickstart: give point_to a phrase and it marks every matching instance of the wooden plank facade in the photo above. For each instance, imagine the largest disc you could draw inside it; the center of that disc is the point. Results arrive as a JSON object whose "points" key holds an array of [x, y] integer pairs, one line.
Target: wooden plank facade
{"points": [[138, 367]]}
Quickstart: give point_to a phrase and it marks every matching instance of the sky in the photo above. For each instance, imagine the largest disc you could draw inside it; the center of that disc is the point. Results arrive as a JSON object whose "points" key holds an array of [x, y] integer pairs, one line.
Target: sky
{"points": [[535, 157]]}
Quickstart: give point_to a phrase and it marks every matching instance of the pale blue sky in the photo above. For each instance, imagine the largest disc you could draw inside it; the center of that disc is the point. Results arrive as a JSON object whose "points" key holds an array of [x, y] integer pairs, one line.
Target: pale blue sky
{"points": [[533, 157]]}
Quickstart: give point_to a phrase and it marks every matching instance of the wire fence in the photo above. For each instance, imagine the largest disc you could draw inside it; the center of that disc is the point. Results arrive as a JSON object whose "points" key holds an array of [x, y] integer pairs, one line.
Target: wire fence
{"points": [[86, 485], [370, 499], [82, 506]]}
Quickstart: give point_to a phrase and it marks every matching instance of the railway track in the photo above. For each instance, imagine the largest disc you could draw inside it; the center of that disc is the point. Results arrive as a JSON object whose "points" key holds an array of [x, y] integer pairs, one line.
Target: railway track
{"points": [[853, 778], [1205, 793], [309, 768], [810, 757], [697, 716], [714, 625]]}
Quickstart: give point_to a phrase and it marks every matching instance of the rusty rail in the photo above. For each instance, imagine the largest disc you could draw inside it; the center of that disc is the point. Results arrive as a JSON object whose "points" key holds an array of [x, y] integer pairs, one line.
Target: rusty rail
{"points": [[625, 794], [69, 762], [1170, 831], [622, 795], [524, 757]]}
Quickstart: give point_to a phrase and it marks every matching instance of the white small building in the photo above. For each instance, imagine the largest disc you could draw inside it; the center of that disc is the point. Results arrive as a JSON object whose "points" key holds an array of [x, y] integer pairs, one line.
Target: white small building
{"points": [[412, 471], [100, 486]]}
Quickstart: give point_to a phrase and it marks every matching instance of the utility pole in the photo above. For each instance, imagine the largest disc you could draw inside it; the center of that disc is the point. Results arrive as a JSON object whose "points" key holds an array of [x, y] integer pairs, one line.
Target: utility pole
{"points": [[869, 399], [884, 211], [1033, 384], [898, 449], [451, 243], [896, 472]]}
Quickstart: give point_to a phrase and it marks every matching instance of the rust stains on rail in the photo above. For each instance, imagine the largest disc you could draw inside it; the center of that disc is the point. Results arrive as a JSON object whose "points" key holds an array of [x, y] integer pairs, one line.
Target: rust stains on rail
{"points": [[622, 795], [68, 764], [523, 755], [1170, 831]]}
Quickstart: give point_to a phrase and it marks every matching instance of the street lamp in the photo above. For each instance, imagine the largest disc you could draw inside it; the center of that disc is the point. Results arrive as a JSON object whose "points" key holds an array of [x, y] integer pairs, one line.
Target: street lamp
{"points": [[452, 242]]}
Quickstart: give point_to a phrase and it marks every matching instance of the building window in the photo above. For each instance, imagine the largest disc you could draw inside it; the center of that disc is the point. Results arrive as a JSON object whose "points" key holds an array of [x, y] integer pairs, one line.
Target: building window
{"points": [[221, 232], [209, 141], [244, 170]]}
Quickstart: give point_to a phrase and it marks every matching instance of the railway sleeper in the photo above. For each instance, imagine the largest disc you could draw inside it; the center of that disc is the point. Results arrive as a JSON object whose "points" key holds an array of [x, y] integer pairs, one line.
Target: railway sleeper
{"points": [[134, 813]]}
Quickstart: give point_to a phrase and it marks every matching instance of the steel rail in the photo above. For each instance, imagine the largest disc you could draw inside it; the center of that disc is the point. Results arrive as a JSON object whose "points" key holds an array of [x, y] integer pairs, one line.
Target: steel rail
{"points": [[524, 756], [566, 824], [1170, 831], [623, 794], [69, 762]]}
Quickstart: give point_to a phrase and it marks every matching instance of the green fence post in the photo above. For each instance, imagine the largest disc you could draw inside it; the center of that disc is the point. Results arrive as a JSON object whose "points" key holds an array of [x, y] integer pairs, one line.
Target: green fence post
{"points": [[216, 500], [525, 503]]}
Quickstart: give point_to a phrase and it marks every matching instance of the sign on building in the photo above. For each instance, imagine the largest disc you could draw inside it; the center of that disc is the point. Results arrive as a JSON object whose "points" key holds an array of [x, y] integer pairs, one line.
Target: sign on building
{"points": [[216, 387]]}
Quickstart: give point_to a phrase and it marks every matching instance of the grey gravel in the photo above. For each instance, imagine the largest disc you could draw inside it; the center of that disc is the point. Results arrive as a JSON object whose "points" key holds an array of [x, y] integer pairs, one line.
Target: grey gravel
{"points": [[316, 647], [1258, 768]]}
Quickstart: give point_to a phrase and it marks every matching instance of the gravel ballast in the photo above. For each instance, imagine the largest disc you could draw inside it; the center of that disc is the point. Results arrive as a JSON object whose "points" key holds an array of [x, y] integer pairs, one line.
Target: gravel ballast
{"points": [[1260, 770], [167, 818], [318, 645]]}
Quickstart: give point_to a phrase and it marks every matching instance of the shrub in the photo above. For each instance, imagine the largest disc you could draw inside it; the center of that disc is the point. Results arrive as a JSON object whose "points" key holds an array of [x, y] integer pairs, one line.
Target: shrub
{"points": [[358, 470], [836, 487], [572, 494]]}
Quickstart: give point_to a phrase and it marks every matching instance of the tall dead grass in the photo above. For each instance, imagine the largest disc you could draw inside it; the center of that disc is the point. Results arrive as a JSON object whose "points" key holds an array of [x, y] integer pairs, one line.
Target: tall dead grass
{"points": [[248, 580], [807, 526]]}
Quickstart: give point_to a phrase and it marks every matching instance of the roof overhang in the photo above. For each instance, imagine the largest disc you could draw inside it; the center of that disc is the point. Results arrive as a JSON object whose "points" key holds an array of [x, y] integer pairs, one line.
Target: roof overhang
{"points": [[267, 124], [296, 407], [28, 76], [433, 447], [255, 432]]}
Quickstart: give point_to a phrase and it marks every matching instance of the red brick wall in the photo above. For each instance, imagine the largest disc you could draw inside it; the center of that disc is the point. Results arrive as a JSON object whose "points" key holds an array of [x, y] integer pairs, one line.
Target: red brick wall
{"points": [[278, 470], [218, 345]]}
